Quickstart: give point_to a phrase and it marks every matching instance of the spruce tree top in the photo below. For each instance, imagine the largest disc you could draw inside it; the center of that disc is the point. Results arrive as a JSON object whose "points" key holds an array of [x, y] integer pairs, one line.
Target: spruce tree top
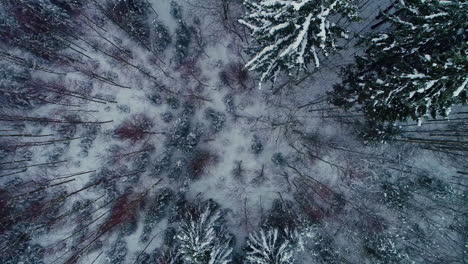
{"points": [[291, 34], [417, 68]]}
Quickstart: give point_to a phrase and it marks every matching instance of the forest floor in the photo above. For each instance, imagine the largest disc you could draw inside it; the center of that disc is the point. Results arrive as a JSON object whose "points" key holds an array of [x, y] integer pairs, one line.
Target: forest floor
{"points": [[191, 119]]}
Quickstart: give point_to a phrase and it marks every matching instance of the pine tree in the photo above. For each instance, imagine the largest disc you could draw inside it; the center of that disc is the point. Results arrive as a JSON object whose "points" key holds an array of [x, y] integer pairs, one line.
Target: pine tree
{"points": [[202, 239], [273, 245], [14, 91], [270, 247], [170, 256], [418, 69], [383, 249], [291, 34], [132, 16], [72, 6], [38, 26], [156, 212]]}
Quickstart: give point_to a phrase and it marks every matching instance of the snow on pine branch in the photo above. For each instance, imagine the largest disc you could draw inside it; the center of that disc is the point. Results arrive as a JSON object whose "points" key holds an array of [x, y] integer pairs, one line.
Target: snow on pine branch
{"points": [[267, 247], [289, 35], [273, 246], [202, 239], [421, 66]]}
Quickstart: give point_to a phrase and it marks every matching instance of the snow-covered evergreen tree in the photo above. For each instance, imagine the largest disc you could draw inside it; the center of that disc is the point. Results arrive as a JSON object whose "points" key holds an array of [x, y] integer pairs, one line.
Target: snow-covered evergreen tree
{"points": [[202, 239], [417, 69], [291, 34], [170, 256], [156, 212], [270, 247], [221, 254], [383, 249]]}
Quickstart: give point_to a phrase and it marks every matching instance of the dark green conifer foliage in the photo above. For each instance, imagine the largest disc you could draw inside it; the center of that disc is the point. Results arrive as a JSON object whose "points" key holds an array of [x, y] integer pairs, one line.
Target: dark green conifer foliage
{"points": [[290, 35], [416, 69]]}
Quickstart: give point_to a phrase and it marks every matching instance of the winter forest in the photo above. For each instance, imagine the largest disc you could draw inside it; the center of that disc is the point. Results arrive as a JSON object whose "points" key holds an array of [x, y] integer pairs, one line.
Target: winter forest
{"points": [[233, 131]]}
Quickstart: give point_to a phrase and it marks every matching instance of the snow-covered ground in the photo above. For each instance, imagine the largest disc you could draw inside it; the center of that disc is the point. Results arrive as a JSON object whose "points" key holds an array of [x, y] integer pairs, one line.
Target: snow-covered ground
{"points": [[208, 138]]}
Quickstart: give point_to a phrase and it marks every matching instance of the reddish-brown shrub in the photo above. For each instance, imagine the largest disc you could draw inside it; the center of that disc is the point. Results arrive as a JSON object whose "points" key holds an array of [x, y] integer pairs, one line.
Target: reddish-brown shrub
{"points": [[135, 129], [315, 213], [373, 224], [317, 200], [31, 20], [323, 191], [200, 163], [125, 210], [189, 68], [236, 76], [34, 211]]}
